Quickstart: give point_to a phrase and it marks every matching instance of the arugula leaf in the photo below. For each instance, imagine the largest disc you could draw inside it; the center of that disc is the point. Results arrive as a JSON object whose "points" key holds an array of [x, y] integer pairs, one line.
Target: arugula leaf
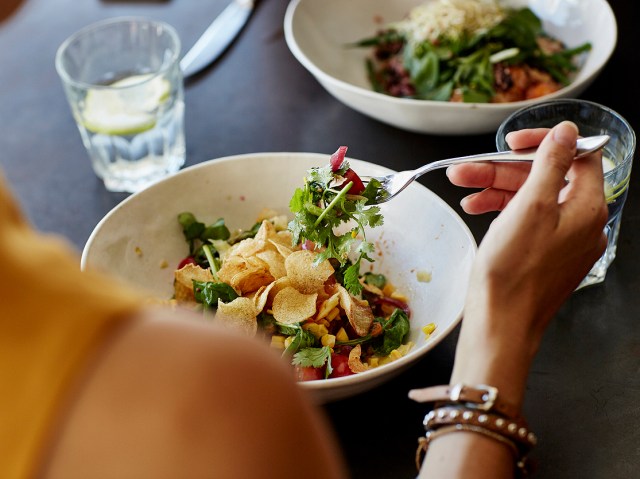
{"points": [[197, 234], [377, 280], [208, 293], [394, 331], [250, 233], [396, 328]]}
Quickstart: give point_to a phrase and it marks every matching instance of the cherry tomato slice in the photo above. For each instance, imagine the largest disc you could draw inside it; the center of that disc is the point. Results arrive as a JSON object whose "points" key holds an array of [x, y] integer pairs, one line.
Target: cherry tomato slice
{"points": [[337, 158], [358, 185], [340, 365], [308, 373], [186, 261]]}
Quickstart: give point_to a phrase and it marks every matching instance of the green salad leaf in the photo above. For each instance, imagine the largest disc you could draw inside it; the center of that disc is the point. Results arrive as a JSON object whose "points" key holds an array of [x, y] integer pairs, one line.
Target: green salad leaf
{"points": [[208, 293], [315, 358], [323, 205]]}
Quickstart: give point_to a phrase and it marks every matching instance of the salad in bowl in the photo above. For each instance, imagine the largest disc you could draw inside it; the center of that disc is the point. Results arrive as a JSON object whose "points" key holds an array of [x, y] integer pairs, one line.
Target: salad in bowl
{"points": [[300, 284], [422, 252]]}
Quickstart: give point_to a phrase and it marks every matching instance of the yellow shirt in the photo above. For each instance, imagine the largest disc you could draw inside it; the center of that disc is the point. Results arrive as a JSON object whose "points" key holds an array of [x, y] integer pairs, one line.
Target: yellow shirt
{"points": [[53, 317]]}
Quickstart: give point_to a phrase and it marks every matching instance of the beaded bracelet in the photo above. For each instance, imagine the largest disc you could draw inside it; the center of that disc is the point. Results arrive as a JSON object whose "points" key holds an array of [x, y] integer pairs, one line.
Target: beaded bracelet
{"points": [[515, 430]]}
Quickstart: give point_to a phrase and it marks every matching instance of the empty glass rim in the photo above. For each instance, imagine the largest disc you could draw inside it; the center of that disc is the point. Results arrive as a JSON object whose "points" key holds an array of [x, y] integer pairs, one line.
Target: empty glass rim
{"points": [[102, 24]]}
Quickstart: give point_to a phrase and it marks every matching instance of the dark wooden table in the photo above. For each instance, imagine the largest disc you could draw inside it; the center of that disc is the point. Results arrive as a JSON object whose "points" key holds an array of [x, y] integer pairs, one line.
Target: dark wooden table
{"points": [[584, 390]]}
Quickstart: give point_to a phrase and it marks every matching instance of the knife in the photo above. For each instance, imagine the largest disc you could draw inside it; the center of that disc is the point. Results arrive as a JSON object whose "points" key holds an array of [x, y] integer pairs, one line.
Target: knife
{"points": [[217, 37]]}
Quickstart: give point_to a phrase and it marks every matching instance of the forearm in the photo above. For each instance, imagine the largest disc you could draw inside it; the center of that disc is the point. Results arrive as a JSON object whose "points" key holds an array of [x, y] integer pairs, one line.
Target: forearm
{"points": [[463, 455], [494, 349]]}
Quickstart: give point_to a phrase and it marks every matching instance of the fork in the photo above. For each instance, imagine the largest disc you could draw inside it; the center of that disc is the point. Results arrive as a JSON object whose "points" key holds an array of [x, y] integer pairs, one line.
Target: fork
{"points": [[394, 183]]}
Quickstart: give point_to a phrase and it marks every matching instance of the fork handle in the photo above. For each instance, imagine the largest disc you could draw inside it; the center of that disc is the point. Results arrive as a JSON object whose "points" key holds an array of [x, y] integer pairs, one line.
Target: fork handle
{"points": [[584, 146]]}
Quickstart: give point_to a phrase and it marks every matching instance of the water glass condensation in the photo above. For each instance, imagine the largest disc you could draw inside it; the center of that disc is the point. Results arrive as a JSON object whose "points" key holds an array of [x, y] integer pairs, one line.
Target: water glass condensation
{"points": [[591, 119], [125, 89]]}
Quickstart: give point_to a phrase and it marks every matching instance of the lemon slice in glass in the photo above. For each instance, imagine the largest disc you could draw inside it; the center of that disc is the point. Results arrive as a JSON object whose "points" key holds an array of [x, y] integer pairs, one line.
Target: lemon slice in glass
{"points": [[126, 109], [610, 191]]}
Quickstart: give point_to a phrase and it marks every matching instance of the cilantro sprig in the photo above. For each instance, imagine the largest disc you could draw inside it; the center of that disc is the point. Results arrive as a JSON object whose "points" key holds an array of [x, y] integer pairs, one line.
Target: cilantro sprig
{"points": [[326, 214], [315, 358]]}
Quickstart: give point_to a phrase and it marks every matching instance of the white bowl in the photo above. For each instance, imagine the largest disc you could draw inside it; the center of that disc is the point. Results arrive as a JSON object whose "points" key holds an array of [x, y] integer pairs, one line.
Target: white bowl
{"points": [[317, 31], [420, 233]]}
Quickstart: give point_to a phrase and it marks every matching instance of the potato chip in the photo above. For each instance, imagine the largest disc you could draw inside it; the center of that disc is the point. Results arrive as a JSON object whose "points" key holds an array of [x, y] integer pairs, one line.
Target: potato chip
{"points": [[261, 296], [355, 363], [245, 275], [304, 275], [274, 261], [291, 306], [266, 232], [284, 238], [239, 314], [266, 214], [282, 249], [370, 288], [245, 248], [278, 285], [183, 281], [357, 310]]}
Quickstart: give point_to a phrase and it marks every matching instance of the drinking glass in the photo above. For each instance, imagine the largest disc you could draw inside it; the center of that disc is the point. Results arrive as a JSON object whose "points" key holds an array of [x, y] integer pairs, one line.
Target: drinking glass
{"points": [[125, 89], [591, 119]]}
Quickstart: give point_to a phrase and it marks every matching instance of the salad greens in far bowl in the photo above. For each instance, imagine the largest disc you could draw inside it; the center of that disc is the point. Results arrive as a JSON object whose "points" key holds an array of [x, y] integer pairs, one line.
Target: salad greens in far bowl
{"points": [[469, 51], [322, 36]]}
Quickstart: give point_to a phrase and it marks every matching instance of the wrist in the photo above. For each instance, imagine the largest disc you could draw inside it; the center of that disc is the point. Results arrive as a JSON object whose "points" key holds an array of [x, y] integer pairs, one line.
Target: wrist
{"points": [[496, 348]]}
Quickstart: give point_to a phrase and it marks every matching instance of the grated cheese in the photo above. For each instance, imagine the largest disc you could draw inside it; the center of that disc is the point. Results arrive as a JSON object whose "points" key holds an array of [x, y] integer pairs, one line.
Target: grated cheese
{"points": [[452, 18]]}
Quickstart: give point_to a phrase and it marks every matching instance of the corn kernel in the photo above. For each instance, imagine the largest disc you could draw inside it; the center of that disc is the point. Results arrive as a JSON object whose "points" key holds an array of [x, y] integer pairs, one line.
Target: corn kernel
{"points": [[373, 362], [318, 330], [328, 340], [324, 322], [328, 305], [311, 327], [395, 354], [405, 348], [342, 335], [383, 361], [277, 342], [388, 289], [322, 330], [333, 314], [428, 328], [399, 296]]}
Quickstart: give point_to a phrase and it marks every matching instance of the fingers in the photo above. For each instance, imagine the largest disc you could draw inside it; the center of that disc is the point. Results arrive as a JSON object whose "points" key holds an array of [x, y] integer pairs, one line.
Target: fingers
{"points": [[485, 201], [499, 175], [528, 138], [554, 163], [503, 176]]}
